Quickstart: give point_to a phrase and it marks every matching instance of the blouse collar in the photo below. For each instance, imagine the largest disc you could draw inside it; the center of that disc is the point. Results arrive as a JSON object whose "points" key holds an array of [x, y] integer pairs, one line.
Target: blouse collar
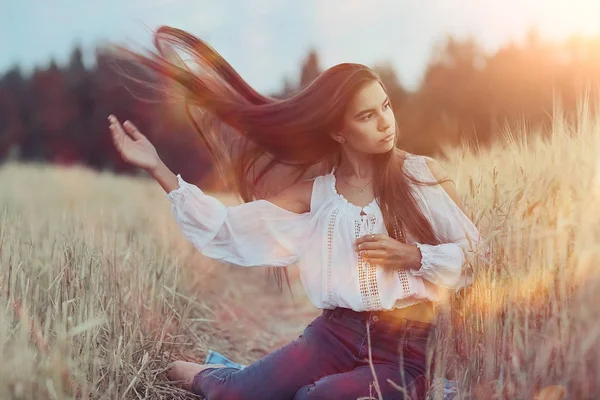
{"points": [[370, 208]]}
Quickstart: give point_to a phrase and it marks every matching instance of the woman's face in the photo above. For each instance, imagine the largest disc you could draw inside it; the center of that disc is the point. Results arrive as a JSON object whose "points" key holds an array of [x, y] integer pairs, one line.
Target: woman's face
{"points": [[369, 121]]}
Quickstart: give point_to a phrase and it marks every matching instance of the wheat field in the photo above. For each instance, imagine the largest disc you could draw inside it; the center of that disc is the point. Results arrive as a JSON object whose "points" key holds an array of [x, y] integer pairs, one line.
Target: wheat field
{"points": [[99, 291]]}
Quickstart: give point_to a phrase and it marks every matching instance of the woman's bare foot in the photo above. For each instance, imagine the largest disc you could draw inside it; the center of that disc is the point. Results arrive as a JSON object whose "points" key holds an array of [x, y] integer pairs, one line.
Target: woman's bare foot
{"points": [[183, 372]]}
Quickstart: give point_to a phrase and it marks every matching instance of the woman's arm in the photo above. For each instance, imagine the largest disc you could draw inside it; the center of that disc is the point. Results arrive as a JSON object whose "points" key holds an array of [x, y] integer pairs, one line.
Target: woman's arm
{"points": [[446, 264], [163, 175], [256, 233]]}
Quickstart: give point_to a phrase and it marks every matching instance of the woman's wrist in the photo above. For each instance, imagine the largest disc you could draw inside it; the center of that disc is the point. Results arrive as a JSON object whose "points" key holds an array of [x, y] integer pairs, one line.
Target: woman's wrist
{"points": [[164, 176], [155, 169], [416, 259]]}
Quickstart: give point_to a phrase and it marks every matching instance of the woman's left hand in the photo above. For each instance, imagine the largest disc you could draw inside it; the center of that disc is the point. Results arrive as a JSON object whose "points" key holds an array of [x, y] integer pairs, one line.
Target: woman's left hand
{"points": [[383, 250]]}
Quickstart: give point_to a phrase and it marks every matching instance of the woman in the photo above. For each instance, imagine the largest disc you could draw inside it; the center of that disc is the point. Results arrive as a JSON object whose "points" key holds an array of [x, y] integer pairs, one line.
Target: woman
{"points": [[378, 234]]}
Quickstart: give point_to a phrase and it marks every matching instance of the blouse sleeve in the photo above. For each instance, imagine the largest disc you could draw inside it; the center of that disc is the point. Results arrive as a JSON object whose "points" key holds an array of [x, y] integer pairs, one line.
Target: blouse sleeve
{"points": [[257, 233], [448, 264]]}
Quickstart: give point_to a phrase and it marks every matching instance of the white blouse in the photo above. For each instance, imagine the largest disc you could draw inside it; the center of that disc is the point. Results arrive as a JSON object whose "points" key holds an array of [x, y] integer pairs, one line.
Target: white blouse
{"points": [[321, 242]]}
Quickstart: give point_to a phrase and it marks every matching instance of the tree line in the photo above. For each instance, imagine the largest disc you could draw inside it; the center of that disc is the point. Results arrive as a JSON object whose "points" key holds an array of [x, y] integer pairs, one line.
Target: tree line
{"points": [[58, 115]]}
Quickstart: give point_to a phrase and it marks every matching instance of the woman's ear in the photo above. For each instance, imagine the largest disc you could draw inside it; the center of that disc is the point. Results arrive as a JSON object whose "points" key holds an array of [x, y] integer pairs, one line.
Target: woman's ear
{"points": [[338, 138]]}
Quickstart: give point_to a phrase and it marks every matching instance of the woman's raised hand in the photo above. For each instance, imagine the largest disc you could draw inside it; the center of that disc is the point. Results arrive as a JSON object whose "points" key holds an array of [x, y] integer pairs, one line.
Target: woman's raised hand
{"points": [[132, 145]]}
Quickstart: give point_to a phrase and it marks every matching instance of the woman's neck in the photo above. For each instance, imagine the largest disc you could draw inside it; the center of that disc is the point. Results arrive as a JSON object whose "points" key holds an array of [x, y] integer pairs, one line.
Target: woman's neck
{"points": [[356, 168]]}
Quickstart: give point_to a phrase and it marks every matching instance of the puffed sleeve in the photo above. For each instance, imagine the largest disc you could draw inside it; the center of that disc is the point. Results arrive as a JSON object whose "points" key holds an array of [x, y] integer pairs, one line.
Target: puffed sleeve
{"points": [[257, 233], [451, 263]]}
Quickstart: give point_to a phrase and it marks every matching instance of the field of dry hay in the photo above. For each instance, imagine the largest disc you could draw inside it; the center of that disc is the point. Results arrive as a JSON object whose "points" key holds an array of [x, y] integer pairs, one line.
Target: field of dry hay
{"points": [[99, 290]]}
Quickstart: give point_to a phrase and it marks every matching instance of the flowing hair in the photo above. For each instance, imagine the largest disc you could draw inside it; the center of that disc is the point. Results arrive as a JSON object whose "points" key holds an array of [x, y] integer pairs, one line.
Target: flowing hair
{"points": [[261, 145]]}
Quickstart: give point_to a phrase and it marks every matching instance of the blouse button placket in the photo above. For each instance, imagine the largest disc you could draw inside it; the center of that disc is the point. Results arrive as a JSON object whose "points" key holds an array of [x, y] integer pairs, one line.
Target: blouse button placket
{"points": [[367, 277], [330, 236]]}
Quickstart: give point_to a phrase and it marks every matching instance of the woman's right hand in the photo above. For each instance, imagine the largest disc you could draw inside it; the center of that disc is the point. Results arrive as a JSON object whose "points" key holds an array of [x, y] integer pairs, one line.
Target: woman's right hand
{"points": [[132, 145]]}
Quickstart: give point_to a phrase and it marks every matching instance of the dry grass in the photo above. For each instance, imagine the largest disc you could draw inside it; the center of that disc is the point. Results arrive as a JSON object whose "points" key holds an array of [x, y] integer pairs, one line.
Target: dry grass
{"points": [[99, 291], [530, 319]]}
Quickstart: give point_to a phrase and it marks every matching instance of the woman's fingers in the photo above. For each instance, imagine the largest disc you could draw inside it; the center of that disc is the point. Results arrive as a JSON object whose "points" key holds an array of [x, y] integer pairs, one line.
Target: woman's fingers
{"points": [[115, 137], [118, 134], [133, 131], [374, 253], [369, 246], [117, 126]]}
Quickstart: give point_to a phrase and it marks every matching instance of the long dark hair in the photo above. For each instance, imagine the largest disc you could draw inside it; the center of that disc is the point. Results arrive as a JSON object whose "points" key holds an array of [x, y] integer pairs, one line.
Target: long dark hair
{"points": [[255, 140]]}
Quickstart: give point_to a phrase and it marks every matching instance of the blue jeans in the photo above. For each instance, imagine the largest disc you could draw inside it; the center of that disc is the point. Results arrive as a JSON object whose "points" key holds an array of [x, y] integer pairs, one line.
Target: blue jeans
{"points": [[330, 360]]}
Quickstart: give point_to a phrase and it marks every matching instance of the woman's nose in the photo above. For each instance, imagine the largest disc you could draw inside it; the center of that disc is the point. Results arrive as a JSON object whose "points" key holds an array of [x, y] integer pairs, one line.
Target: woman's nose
{"points": [[385, 123]]}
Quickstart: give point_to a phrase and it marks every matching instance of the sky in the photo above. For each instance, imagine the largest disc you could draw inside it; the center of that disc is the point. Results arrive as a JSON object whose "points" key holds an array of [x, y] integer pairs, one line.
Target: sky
{"points": [[267, 40]]}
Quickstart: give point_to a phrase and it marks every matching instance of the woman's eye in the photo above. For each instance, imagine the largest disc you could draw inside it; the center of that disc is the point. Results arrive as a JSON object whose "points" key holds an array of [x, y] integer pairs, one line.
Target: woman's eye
{"points": [[387, 105]]}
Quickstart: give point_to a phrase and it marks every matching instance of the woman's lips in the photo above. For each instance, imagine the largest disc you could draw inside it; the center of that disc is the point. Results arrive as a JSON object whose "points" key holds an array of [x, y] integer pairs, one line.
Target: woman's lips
{"points": [[388, 138]]}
